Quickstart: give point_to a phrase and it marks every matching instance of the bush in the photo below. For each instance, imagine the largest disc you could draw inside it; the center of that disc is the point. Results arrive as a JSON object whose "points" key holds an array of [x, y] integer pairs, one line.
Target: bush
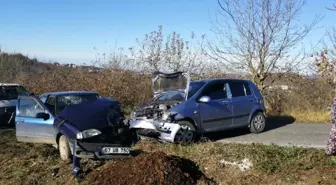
{"points": [[128, 87]]}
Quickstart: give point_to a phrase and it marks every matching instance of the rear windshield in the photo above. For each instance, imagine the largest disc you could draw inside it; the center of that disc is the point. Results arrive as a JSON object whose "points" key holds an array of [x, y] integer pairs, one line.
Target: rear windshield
{"points": [[11, 92]]}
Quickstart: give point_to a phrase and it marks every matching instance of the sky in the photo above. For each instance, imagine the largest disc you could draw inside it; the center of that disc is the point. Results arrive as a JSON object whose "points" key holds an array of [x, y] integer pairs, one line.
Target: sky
{"points": [[67, 31]]}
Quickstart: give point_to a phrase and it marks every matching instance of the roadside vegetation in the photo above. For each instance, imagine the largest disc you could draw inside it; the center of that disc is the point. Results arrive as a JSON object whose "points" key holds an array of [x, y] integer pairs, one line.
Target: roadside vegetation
{"points": [[133, 88], [40, 164]]}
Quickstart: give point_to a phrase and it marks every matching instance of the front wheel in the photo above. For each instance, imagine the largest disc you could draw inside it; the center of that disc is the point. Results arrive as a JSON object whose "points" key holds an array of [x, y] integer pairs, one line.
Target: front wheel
{"points": [[64, 148], [258, 123], [186, 134]]}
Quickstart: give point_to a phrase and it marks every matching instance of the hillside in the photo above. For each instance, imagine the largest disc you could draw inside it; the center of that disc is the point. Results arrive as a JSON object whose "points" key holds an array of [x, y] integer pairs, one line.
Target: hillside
{"points": [[13, 64]]}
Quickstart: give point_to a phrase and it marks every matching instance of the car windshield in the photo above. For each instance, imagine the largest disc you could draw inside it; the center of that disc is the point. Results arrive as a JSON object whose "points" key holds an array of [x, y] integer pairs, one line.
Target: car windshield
{"points": [[171, 96], [67, 100], [11, 92], [178, 96], [194, 87]]}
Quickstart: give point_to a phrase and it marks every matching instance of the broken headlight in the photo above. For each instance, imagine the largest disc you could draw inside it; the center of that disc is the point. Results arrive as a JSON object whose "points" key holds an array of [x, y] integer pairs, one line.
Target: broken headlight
{"points": [[87, 133], [168, 116], [133, 115], [165, 116]]}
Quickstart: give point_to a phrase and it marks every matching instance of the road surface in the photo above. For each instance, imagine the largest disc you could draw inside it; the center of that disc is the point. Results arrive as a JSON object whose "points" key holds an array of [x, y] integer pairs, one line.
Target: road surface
{"points": [[291, 134], [296, 134]]}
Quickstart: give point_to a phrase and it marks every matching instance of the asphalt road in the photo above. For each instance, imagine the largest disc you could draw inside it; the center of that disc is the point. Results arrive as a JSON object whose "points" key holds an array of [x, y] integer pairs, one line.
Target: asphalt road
{"points": [[281, 132], [297, 134]]}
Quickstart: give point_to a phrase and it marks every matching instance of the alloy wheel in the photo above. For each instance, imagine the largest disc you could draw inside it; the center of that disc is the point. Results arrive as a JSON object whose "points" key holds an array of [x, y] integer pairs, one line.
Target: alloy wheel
{"points": [[184, 135], [259, 122]]}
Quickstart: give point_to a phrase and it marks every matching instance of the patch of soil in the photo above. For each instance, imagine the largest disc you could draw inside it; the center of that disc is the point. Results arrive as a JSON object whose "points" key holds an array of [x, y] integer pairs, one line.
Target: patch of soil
{"points": [[149, 169]]}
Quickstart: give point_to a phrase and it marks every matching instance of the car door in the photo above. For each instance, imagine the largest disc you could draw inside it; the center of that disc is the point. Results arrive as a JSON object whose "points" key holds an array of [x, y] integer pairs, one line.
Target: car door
{"points": [[30, 125], [242, 101], [217, 113]]}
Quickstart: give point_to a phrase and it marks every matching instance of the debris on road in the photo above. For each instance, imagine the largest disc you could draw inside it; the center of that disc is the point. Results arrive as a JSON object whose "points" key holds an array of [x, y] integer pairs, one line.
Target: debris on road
{"points": [[147, 169], [244, 165]]}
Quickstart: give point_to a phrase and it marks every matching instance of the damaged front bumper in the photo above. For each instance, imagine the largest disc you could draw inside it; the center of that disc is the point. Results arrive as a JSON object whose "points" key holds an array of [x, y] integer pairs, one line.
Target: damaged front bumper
{"points": [[165, 131], [100, 150]]}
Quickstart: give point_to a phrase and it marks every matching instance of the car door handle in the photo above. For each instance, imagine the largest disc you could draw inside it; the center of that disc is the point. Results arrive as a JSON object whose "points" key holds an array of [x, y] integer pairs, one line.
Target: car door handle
{"points": [[251, 101]]}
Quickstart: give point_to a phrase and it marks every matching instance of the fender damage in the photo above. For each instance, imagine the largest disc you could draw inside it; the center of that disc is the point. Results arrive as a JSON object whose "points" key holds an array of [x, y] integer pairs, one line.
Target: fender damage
{"points": [[158, 117]]}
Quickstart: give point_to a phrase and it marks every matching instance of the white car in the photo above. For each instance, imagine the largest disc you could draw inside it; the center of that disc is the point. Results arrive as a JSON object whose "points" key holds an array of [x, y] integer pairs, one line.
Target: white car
{"points": [[9, 93]]}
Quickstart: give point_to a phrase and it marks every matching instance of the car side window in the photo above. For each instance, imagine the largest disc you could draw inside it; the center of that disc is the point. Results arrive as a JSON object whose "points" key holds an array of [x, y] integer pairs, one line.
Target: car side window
{"points": [[247, 89], [239, 89], [29, 108], [50, 103], [215, 91]]}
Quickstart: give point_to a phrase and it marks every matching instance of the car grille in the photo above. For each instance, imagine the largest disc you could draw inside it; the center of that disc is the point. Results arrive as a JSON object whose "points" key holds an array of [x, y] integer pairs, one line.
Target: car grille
{"points": [[113, 134]]}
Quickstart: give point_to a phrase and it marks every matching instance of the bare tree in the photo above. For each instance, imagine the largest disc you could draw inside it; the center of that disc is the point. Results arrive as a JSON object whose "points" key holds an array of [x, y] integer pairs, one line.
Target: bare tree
{"points": [[117, 58], [170, 53], [259, 36], [325, 61], [333, 8]]}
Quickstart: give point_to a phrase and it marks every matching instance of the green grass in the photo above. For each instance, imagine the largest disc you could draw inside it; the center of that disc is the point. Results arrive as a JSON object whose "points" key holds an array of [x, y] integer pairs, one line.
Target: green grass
{"points": [[23, 163]]}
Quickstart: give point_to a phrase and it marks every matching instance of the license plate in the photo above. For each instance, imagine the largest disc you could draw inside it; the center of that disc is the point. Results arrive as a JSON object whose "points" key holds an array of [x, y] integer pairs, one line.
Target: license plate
{"points": [[115, 150]]}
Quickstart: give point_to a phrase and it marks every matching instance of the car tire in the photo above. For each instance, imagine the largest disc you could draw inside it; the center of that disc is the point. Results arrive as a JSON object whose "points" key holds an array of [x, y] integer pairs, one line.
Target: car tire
{"points": [[64, 148], [257, 123], [186, 134]]}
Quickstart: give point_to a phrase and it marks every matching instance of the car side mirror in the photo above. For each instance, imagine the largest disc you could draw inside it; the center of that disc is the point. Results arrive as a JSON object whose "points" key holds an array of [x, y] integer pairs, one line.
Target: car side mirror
{"points": [[43, 115], [204, 99]]}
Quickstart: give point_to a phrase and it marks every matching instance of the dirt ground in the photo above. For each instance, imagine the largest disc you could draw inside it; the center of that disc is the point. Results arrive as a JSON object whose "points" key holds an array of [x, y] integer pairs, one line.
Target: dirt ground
{"points": [[149, 169], [37, 164]]}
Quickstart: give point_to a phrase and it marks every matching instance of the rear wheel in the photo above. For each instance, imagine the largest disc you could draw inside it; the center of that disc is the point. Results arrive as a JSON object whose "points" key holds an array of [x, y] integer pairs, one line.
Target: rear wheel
{"points": [[258, 123], [186, 134], [64, 148]]}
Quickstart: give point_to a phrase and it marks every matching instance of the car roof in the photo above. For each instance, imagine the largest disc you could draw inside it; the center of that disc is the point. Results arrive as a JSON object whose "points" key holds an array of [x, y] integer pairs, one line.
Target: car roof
{"points": [[220, 79], [63, 93], [9, 84]]}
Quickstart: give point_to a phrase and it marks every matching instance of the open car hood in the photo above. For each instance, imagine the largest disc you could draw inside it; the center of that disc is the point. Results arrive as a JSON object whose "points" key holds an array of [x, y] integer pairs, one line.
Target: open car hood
{"points": [[164, 82], [98, 114]]}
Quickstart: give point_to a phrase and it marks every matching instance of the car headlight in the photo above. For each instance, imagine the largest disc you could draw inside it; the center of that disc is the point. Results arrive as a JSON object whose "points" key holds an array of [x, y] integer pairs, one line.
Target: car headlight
{"points": [[132, 115], [88, 133]]}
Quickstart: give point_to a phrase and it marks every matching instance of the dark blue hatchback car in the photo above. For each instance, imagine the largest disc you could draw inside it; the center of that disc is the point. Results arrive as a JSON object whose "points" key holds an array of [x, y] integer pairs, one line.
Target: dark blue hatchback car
{"points": [[180, 110], [78, 123]]}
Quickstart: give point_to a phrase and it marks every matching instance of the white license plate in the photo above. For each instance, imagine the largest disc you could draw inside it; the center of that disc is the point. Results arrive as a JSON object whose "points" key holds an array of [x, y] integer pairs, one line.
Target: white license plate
{"points": [[115, 150]]}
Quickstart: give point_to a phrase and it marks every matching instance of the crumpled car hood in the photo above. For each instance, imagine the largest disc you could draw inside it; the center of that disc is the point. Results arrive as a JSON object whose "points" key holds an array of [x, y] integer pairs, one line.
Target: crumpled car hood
{"points": [[164, 82], [98, 114]]}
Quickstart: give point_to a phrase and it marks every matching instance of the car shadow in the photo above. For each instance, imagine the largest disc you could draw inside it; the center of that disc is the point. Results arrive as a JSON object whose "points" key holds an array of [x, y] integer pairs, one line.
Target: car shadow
{"points": [[7, 126], [101, 162], [273, 122]]}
